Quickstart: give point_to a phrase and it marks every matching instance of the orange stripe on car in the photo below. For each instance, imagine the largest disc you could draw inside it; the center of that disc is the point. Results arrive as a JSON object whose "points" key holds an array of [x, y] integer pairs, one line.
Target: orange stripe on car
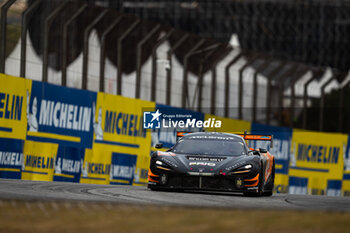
{"points": [[151, 174], [256, 137], [151, 180], [269, 164], [253, 179], [252, 185]]}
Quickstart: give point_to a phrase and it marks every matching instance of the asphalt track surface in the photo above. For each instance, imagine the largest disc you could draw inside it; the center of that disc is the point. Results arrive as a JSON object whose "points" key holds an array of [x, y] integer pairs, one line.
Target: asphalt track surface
{"points": [[61, 191]]}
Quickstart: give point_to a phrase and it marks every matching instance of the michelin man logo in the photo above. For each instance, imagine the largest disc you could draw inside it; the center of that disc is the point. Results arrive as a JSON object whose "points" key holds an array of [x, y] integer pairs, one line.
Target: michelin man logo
{"points": [[58, 166], [31, 117], [346, 158], [293, 161], [151, 120], [84, 169], [137, 173], [98, 125]]}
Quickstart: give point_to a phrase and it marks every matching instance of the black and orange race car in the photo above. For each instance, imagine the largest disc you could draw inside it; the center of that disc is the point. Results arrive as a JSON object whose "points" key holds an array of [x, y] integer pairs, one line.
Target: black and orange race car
{"points": [[208, 161]]}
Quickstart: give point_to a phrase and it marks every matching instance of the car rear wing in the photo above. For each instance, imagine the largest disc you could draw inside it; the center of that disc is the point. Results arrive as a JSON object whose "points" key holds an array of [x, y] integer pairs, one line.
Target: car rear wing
{"points": [[257, 137], [181, 134]]}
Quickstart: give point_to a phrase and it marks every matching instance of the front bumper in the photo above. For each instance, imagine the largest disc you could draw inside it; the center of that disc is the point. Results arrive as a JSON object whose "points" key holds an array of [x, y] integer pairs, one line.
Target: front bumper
{"points": [[205, 183]]}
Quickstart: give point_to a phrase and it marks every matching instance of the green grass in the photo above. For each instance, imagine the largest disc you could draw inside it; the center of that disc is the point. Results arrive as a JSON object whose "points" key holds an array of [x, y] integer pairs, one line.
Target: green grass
{"points": [[91, 217]]}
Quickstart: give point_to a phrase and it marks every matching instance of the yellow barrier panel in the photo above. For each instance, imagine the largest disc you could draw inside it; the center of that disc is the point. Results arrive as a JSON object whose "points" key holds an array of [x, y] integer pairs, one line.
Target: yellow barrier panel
{"points": [[316, 161], [281, 183], [96, 167], [39, 161], [121, 148], [346, 185], [13, 106]]}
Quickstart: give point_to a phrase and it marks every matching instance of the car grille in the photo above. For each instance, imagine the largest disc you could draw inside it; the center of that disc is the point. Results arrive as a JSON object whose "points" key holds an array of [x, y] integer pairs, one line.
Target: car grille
{"points": [[202, 182]]}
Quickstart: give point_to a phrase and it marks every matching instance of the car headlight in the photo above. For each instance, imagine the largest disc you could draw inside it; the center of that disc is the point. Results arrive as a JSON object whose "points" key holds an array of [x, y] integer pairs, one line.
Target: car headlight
{"points": [[162, 166], [243, 169], [248, 166]]}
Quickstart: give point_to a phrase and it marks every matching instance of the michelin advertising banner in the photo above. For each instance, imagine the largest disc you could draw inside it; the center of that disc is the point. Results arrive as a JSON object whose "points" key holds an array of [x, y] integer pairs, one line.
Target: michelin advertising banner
{"points": [[282, 138], [59, 128], [68, 163], [53, 133], [121, 146], [346, 174], [60, 115], [13, 124], [316, 163]]}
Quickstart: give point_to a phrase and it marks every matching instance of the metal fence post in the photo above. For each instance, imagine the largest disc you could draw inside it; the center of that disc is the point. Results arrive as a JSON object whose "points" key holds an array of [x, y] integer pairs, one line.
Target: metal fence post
{"points": [[316, 74], [287, 74], [341, 105], [168, 73], [139, 60], [65, 44], [295, 78], [200, 80], [249, 62], [213, 73], [119, 62], [227, 82], [211, 49], [87, 32], [185, 72], [270, 76], [103, 53], [25, 16], [258, 70], [154, 63], [47, 23], [3, 36], [323, 87]]}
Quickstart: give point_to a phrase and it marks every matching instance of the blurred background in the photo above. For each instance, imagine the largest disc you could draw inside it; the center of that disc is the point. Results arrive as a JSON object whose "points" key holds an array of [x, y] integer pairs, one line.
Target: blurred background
{"points": [[276, 62]]}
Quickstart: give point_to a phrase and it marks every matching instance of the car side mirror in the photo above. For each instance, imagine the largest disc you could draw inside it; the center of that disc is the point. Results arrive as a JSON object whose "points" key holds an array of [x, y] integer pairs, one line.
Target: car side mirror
{"points": [[255, 152], [262, 150], [159, 146]]}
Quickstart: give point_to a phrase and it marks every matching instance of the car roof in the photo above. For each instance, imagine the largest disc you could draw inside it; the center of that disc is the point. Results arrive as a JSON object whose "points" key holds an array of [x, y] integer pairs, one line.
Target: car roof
{"points": [[213, 134]]}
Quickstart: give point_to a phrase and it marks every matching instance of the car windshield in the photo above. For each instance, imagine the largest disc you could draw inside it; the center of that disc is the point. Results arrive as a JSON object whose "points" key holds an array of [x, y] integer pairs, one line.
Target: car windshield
{"points": [[210, 147]]}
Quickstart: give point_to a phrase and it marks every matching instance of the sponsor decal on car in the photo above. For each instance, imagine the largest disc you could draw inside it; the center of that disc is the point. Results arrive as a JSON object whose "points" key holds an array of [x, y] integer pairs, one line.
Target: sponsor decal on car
{"points": [[202, 164], [211, 159]]}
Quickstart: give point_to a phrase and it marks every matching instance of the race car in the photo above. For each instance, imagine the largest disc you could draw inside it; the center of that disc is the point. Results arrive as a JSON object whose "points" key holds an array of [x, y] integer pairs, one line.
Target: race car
{"points": [[208, 161]]}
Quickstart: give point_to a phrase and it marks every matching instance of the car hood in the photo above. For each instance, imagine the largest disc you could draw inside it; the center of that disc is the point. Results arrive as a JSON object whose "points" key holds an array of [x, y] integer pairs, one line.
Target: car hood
{"points": [[185, 163]]}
